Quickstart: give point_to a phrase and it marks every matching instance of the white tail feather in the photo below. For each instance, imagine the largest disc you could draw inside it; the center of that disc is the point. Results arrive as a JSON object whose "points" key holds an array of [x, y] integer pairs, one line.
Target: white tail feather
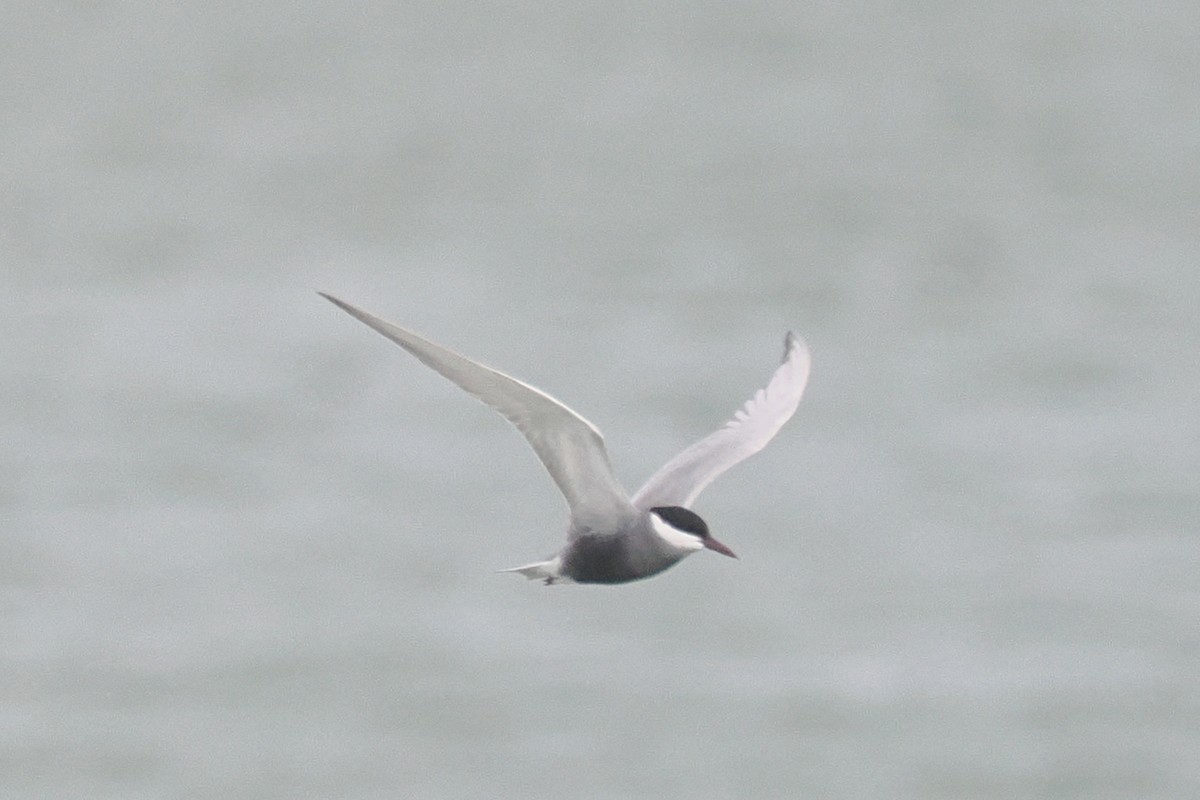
{"points": [[546, 570]]}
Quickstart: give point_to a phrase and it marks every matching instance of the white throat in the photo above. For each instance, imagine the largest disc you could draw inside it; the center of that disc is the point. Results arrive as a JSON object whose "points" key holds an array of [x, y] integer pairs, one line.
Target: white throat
{"points": [[677, 539]]}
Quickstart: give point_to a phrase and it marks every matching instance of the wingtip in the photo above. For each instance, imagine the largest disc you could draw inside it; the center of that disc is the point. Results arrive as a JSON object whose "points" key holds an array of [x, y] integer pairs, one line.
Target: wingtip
{"points": [[342, 304], [792, 342]]}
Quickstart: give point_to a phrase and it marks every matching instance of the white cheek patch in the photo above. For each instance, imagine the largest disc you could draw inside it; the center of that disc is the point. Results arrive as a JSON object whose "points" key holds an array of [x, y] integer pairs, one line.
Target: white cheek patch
{"points": [[680, 540]]}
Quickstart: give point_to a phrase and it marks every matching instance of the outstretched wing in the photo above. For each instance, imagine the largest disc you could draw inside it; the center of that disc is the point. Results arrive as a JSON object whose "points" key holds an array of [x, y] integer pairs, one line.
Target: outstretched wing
{"points": [[570, 447], [680, 480]]}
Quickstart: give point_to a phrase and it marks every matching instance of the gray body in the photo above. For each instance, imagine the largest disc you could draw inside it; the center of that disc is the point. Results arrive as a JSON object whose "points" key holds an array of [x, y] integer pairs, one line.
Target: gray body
{"points": [[626, 552], [612, 537]]}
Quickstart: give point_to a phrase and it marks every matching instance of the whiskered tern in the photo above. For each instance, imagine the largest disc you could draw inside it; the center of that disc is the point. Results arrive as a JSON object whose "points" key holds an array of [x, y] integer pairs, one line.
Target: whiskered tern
{"points": [[611, 537]]}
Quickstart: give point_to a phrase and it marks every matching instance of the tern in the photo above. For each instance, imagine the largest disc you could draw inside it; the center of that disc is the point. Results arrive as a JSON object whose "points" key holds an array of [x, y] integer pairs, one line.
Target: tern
{"points": [[611, 537]]}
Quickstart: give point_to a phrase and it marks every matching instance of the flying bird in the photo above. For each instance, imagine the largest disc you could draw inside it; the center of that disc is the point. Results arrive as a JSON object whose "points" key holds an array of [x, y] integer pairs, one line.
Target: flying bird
{"points": [[611, 537]]}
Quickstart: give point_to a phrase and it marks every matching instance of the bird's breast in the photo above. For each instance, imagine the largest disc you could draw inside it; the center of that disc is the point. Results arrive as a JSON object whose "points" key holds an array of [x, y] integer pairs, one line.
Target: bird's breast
{"points": [[613, 558]]}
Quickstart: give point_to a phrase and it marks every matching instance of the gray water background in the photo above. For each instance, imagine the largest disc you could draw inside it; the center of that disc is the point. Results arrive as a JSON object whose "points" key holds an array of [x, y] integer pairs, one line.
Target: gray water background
{"points": [[247, 546]]}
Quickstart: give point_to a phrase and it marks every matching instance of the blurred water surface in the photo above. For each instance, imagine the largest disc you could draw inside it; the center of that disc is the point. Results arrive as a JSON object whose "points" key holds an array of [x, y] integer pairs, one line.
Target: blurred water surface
{"points": [[247, 547]]}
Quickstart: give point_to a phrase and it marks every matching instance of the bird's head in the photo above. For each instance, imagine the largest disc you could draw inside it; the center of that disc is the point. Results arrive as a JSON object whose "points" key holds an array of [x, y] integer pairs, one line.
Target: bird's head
{"points": [[684, 530]]}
